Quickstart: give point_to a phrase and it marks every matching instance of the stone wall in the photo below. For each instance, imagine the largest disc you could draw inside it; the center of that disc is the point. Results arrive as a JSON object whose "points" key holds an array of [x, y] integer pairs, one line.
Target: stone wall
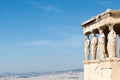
{"points": [[107, 69], [116, 70]]}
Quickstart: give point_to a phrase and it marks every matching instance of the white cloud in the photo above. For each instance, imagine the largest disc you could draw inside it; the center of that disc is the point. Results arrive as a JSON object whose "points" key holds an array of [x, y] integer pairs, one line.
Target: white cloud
{"points": [[66, 31], [74, 41], [47, 7], [68, 37], [40, 43], [71, 42], [103, 2]]}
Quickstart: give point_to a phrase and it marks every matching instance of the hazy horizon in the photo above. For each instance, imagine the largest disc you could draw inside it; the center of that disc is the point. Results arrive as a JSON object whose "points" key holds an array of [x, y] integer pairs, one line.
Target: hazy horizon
{"points": [[45, 35]]}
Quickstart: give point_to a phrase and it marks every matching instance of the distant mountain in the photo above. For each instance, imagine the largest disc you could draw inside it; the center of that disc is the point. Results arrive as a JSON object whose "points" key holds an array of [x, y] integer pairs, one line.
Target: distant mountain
{"points": [[72, 70], [31, 74]]}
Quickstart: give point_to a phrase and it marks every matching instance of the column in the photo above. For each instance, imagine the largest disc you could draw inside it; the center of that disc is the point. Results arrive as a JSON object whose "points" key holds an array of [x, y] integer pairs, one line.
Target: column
{"points": [[94, 46], [87, 47], [111, 46], [101, 44], [117, 51]]}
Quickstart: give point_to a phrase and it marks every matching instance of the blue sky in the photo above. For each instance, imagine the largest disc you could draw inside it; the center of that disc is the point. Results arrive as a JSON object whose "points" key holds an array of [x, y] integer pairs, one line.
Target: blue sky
{"points": [[45, 35]]}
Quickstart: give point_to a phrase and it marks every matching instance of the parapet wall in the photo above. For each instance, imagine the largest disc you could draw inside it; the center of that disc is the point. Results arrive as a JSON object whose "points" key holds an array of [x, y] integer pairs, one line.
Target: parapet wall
{"points": [[116, 70], [106, 69]]}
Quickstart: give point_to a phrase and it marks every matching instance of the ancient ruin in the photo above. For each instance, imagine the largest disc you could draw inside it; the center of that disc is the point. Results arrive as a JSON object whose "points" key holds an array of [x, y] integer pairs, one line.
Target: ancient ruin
{"points": [[104, 63]]}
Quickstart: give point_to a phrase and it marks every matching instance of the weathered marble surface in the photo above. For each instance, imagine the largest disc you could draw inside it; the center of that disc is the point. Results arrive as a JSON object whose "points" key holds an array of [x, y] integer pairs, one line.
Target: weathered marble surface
{"points": [[107, 64], [101, 45], [111, 47], [87, 48], [106, 69], [94, 43]]}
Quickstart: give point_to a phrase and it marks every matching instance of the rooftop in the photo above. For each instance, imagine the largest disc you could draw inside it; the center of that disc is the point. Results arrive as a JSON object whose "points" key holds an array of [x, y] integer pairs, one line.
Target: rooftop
{"points": [[107, 13]]}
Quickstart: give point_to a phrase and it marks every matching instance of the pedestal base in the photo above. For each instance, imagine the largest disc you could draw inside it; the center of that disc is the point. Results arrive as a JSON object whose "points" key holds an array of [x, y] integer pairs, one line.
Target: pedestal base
{"points": [[106, 69]]}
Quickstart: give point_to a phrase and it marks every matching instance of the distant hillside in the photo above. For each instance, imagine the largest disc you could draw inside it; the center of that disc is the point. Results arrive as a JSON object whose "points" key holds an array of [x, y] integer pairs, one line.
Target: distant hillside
{"points": [[72, 70], [34, 74]]}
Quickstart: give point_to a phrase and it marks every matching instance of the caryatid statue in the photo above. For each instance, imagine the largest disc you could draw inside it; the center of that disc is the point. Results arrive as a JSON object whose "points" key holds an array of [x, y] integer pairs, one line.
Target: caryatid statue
{"points": [[111, 46], [94, 43], [101, 45], [87, 47]]}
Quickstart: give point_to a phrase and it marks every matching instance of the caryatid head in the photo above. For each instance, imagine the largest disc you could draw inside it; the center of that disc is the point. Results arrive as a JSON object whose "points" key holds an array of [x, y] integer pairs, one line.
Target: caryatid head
{"points": [[100, 31], [111, 27], [93, 34], [87, 36]]}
